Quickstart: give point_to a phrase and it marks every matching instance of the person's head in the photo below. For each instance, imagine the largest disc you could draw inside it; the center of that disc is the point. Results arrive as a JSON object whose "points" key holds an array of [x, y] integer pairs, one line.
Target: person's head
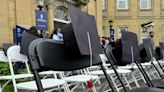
{"points": [[103, 40], [33, 31], [59, 30], [151, 34]]}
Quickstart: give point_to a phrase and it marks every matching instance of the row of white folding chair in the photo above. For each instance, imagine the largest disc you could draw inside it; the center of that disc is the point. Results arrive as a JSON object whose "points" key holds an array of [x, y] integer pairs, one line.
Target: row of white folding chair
{"points": [[14, 55], [110, 72], [152, 73], [14, 58], [80, 78], [76, 80], [137, 75], [124, 71]]}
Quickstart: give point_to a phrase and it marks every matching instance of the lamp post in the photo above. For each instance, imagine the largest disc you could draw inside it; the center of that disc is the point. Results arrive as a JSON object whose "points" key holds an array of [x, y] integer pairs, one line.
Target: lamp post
{"points": [[111, 31]]}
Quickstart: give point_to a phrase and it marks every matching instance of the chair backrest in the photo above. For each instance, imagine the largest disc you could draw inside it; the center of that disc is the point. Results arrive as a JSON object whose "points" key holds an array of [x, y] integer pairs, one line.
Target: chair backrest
{"points": [[25, 42], [3, 57], [13, 53], [76, 34], [143, 54], [147, 50], [161, 44], [54, 56], [129, 44], [127, 49], [160, 50], [6, 46]]}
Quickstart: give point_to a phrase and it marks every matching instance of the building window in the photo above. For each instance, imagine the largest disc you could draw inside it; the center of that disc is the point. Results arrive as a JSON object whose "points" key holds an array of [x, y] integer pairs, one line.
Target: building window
{"points": [[62, 14], [103, 4], [162, 4], [122, 4], [145, 4], [123, 29]]}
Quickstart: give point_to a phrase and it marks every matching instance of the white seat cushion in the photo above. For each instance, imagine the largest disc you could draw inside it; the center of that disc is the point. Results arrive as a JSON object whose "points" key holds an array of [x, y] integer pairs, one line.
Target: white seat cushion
{"points": [[129, 67], [19, 76], [80, 78], [146, 64], [100, 72], [47, 83], [49, 72]]}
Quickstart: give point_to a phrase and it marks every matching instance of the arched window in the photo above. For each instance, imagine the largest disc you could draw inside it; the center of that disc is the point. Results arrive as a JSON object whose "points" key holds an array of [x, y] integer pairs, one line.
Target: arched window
{"points": [[62, 14]]}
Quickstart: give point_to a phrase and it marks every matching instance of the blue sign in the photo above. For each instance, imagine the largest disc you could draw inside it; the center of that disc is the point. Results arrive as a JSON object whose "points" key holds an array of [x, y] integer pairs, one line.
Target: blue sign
{"points": [[19, 32], [41, 20]]}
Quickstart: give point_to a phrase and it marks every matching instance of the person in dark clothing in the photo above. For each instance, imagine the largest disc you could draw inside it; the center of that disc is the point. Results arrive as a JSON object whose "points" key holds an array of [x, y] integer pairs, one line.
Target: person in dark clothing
{"points": [[151, 35], [102, 41], [33, 31]]}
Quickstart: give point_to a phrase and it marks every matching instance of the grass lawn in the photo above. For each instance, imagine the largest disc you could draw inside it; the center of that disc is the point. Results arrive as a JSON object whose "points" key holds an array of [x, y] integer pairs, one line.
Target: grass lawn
{"points": [[9, 88]]}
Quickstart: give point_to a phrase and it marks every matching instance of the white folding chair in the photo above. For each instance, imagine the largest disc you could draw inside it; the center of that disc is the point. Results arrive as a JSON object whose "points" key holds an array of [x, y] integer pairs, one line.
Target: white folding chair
{"points": [[14, 55], [3, 58]]}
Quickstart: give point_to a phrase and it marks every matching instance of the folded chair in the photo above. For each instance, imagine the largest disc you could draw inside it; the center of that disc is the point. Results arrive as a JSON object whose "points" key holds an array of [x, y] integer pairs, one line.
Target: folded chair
{"points": [[130, 53], [150, 53], [160, 54], [146, 59], [160, 51]]}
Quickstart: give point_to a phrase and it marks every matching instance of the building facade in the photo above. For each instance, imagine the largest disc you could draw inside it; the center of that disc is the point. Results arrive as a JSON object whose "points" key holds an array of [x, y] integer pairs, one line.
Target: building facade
{"points": [[22, 12], [131, 14]]}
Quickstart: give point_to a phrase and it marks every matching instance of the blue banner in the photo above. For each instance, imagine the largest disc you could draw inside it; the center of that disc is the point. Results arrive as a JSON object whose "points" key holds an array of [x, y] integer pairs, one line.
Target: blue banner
{"points": [[41, 20], [19, 32]]}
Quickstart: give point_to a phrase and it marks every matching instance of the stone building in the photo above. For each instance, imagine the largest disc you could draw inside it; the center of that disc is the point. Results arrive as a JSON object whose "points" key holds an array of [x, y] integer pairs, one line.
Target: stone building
{"points": [[22, 12], [131, 14]]}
